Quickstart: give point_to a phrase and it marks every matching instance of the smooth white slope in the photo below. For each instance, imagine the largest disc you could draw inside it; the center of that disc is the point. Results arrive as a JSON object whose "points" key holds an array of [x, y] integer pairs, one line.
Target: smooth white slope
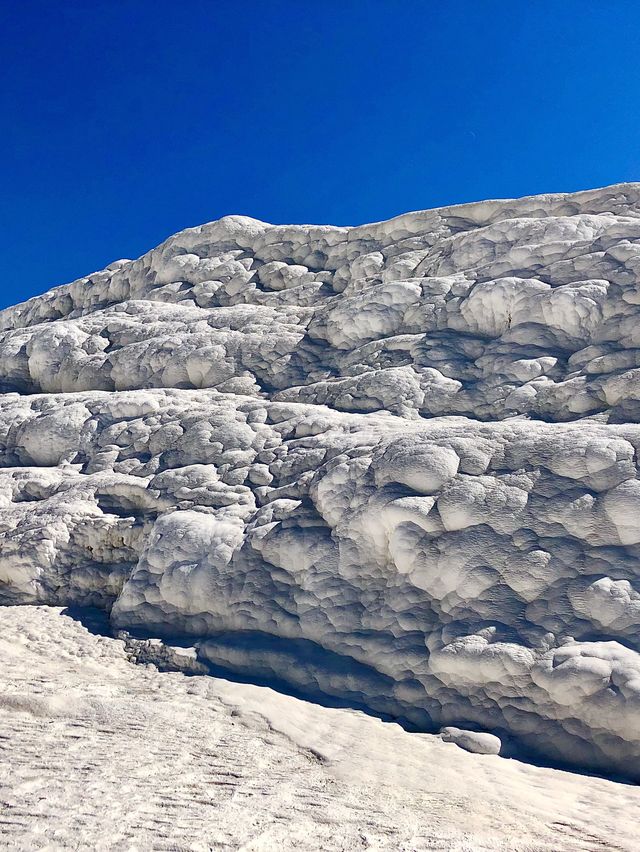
{"points": [[99, 753]]}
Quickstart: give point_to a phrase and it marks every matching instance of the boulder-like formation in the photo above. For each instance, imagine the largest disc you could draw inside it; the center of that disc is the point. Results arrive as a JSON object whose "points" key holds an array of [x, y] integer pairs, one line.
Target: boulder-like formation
{"points": [[473, 741], [395, 464]]}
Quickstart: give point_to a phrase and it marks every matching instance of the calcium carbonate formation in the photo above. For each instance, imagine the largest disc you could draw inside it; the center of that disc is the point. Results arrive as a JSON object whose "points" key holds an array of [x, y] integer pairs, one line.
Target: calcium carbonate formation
{"points": [[395, 464]]}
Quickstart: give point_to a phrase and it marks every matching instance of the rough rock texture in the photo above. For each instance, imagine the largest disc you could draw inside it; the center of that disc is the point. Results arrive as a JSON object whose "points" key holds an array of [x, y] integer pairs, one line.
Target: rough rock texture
{"points": [[394, 463]]}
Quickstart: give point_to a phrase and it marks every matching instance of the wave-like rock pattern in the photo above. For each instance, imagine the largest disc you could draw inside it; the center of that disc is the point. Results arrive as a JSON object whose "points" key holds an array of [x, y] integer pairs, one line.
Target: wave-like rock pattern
{"points": [[396, 463]]}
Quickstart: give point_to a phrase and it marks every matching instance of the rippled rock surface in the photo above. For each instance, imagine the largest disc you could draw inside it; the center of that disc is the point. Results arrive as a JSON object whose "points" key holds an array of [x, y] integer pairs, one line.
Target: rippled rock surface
{"points": [[395, 464]]}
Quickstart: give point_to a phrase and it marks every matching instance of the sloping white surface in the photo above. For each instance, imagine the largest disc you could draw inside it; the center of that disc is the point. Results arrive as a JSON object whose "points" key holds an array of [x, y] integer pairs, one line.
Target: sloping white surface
{"points": [[309, 449], [98, 753]]}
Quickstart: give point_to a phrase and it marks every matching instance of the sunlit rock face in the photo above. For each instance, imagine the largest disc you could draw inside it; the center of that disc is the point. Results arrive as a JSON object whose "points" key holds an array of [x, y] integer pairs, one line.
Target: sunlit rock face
{"points": [[395, 464]]}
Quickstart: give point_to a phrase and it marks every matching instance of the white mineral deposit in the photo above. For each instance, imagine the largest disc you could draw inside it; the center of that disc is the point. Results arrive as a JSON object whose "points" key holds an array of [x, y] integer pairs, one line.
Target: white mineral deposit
{"points": [[384, 479]]}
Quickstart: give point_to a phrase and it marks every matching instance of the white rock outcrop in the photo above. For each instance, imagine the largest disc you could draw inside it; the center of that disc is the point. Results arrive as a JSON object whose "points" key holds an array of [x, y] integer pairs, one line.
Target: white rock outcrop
{"points": [[396, 463], [474, 741]]}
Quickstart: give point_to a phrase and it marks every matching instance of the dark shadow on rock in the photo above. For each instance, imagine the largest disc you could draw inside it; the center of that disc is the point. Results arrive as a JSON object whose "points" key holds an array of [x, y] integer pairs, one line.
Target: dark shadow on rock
{"points": [[93, 619], [253, 646]]}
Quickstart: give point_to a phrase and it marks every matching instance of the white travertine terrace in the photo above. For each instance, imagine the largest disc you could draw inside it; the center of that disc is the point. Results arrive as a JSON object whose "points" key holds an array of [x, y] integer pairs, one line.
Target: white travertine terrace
{"points": [[394, 463]]}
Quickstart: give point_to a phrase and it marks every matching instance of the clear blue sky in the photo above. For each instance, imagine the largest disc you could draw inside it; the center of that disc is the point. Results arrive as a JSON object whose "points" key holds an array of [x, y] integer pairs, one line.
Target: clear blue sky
{"points": [[127, 121]]}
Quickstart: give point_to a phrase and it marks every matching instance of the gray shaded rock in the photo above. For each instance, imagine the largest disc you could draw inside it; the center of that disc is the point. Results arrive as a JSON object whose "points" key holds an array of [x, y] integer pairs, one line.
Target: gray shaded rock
{"points": [[474, 741]]}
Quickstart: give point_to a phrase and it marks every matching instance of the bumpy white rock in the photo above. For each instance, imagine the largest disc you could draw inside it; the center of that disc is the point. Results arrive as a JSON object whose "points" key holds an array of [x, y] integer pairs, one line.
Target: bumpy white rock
{"points": [[394, 463]]}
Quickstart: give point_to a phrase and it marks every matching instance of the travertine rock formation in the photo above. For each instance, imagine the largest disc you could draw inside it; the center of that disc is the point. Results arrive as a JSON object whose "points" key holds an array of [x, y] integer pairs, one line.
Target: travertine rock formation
{"points": [[395, 463]]}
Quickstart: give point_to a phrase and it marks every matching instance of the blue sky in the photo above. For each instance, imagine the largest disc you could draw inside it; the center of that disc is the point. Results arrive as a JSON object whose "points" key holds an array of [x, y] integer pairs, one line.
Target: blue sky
{"points": [[127, 121]]}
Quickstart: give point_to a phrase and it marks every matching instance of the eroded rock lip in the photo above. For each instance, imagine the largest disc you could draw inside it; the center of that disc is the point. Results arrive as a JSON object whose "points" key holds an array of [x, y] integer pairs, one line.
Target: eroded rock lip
{"points": [[396, 462]]}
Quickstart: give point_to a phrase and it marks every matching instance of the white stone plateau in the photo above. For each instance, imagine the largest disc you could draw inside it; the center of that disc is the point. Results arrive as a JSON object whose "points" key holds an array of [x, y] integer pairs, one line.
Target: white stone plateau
{"points": [[393, 465]]}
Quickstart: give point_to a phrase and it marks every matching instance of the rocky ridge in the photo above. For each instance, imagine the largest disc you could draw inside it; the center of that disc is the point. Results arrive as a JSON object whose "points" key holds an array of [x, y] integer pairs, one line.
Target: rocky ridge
{"points": [[396, 463]]}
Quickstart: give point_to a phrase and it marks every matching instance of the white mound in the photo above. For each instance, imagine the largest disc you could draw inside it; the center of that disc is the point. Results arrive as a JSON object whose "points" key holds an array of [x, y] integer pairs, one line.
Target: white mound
{"points": [[395, 464]]}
